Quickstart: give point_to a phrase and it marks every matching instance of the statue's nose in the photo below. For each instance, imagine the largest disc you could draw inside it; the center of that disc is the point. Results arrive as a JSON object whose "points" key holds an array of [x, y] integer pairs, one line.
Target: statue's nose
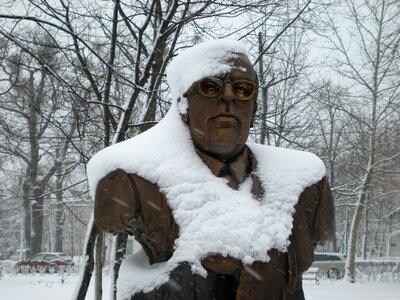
{"points": [[228, 94]]}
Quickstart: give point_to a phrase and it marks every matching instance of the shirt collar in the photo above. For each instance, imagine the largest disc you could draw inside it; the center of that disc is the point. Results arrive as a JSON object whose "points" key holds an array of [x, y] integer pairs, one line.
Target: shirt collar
{"points": [[240, 167]]}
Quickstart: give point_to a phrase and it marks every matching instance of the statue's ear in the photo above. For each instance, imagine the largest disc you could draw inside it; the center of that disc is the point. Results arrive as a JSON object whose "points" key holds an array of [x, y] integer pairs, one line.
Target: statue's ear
{"points": [[254, 113], [185, 116]]}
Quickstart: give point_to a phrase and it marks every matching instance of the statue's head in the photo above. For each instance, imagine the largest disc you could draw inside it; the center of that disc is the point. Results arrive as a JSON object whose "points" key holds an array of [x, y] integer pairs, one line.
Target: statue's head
{"points": [[220, 104]]}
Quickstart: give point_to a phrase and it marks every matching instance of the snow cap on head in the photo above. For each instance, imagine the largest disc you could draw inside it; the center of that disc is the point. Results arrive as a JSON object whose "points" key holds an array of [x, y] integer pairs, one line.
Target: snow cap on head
{"points": [[202, 60]]}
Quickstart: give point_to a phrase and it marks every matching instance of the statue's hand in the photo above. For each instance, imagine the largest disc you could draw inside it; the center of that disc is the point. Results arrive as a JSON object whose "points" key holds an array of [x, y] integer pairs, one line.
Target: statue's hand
{"points": [[114, 203], [221, 264]]}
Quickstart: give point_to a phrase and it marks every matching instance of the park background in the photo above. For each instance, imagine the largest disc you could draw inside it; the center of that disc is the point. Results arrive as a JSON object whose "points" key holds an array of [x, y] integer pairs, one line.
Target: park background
{"points": [[78, 76]]}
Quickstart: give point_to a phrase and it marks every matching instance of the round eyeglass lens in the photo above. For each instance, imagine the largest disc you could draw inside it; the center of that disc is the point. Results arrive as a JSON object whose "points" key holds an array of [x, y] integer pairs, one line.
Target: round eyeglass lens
{"points": [[244, 89], [210, 87]]}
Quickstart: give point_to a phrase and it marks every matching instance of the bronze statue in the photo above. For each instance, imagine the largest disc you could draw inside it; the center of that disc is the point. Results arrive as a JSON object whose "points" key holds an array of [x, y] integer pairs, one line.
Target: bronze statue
{"points": [[167, 208]]}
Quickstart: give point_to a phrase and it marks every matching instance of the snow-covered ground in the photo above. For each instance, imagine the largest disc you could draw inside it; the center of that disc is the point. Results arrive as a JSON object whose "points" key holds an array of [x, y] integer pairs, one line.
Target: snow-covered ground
{"points": [[49, 286], [340, 290], [41, 287]]}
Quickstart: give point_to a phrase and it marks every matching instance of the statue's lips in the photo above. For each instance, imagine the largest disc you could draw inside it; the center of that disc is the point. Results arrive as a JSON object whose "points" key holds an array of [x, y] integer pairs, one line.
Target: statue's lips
{"points": [[224, 121]]}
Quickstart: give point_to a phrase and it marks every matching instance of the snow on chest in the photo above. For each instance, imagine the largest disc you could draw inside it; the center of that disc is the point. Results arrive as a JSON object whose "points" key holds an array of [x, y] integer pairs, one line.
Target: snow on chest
{"points": [[213, 218]]}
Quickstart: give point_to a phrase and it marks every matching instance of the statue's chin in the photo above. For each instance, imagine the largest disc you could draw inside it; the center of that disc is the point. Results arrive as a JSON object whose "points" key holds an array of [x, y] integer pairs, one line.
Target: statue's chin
{"points": [[224, 141]]}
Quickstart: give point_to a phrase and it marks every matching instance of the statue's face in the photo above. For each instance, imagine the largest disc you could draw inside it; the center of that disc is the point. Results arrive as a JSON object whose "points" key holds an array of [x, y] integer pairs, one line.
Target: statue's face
{"points": [[221, 110]]}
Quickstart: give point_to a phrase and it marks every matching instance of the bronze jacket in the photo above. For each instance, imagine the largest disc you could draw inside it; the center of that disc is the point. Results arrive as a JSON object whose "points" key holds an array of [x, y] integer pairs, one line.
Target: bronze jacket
{"points": [[128, 203]]}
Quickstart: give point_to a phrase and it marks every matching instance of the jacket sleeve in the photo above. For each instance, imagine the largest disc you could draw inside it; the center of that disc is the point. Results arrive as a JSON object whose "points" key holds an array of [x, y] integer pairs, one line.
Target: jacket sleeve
{"points": [[323, 225], [313, 223], [115, 202]]}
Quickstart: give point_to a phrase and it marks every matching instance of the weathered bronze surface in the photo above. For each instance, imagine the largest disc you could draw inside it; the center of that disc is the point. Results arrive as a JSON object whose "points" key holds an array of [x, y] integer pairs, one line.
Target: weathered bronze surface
{"points": [[219, 124]]}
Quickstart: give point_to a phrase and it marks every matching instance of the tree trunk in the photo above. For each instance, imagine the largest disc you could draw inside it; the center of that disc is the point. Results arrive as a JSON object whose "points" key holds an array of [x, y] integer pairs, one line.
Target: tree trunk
{"points": [[27, 216], [34, 192], [60, 218], [89, 263], [332, 166], [119, 254], [60, 214], [264, 129], [37, 221], [99, 265], [72, 239], [352, 249], [365, 233]]}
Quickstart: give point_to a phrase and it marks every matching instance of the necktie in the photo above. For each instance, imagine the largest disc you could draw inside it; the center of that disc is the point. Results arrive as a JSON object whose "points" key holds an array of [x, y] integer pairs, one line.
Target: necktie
{"points": [[228, 174]]}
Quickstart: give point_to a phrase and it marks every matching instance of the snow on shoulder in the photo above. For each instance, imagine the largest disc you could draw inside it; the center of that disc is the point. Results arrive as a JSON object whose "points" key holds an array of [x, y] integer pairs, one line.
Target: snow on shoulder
{"points": [[212, 217]]}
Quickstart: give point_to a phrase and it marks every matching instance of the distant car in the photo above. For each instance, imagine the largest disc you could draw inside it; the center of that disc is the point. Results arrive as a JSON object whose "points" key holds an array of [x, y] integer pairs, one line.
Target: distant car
{"points": [[330, 264], [16, 255], [46, 262]]}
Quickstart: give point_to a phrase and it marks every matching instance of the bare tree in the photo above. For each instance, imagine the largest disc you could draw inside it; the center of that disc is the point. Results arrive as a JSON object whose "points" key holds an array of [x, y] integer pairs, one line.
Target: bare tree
{"points": [[330, 127], [32, 100], [280, 38], [375, 36]]}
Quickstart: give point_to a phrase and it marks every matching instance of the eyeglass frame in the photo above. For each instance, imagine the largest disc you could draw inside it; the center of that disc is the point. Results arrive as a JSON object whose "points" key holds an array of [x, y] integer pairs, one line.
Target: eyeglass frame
{"points": [[223, 82]]}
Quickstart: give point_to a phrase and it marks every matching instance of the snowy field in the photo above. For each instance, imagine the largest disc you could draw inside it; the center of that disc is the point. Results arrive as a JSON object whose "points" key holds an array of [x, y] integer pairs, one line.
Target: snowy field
{"points": [[339, 290], [49, 286]]}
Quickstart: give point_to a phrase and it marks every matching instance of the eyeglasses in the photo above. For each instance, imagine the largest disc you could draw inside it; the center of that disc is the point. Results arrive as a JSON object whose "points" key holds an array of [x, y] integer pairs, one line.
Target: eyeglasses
{"points": [[243, 89]]}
